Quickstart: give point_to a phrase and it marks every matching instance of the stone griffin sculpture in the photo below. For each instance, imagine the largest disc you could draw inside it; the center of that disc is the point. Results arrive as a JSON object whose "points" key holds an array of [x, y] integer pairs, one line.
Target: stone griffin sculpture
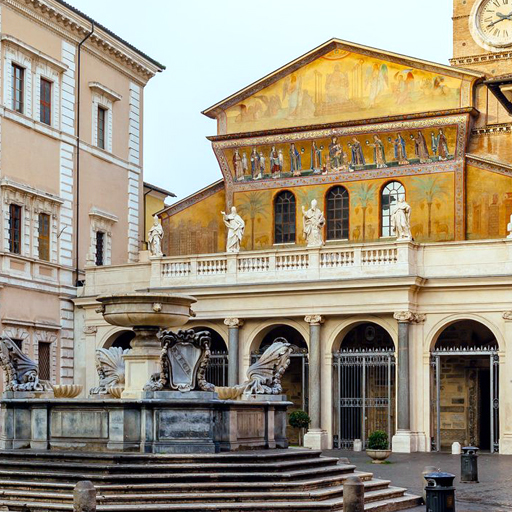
{"points": [[183, 362], [264, 376], [22, 374], [110, 368]]}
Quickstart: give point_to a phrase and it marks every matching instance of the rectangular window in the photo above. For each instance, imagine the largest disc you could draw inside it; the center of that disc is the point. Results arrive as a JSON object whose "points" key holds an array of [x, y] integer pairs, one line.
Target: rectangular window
{"points": [[44, 351], [44, 236], [45, 102], [18, 78], [102, 115], [100, 248], [15, 229]]}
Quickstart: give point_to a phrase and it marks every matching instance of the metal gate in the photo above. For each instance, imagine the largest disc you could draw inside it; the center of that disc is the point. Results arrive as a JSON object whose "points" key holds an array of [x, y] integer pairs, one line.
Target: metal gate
{"points": [[494, 401], [217, 370], [364, 395], [299, 355]]}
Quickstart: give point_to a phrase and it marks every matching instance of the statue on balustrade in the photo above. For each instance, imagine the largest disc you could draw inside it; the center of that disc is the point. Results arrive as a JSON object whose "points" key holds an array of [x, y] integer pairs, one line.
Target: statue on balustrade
{"points": [[401, 220], [236, 227], [155, 235], [21, 373], [313, 223]]}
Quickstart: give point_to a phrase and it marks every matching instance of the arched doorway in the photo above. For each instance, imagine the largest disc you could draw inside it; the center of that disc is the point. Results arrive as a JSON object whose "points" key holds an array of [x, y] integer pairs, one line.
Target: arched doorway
{"points": [[121, 339], [363, 384], [295, 379], [217, 371], [465, 387]]}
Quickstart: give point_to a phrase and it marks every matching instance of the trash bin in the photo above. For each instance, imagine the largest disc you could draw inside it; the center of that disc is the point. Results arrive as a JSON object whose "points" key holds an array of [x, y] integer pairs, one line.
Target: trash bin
{"points": [[469, 465], [440, 492]]}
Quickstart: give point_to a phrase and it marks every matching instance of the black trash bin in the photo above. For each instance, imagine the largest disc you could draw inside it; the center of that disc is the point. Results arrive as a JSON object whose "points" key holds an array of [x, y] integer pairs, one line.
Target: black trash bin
{"points": [[440, 492], [469, 465]]}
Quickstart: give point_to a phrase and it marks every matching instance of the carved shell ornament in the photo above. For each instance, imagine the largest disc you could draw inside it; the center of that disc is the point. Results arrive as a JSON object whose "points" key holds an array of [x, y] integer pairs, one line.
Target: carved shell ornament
{"points": [[111, 370]]}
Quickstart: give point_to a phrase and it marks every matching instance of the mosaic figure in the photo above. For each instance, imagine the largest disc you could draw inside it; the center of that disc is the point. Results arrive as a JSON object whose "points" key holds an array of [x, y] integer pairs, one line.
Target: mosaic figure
{"points": [[379, 152], [400, 150], [237, 166], [275, 166], [316, 158], [295, 165], [357, 154], [421, 149]]}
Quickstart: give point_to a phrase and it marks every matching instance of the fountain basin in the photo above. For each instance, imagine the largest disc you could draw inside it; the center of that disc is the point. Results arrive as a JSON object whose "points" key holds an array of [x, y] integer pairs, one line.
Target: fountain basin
{"points": [[154, 310]]}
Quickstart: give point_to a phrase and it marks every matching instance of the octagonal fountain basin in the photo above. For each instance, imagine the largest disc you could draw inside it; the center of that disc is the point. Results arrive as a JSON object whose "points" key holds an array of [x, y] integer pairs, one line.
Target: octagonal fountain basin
{"points": [[146, 309]]}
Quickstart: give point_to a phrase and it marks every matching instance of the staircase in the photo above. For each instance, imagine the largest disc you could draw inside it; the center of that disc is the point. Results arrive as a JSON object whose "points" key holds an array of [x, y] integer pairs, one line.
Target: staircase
{"points": [[256, 481]]}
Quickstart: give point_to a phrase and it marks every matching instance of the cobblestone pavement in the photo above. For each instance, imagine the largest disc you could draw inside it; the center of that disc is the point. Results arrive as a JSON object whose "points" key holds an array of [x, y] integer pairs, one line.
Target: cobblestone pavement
{"points": [[493, 493]]}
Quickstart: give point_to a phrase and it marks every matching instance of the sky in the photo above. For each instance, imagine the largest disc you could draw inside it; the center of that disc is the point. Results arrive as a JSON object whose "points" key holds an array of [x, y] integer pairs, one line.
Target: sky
{"points": [[213, 48]]}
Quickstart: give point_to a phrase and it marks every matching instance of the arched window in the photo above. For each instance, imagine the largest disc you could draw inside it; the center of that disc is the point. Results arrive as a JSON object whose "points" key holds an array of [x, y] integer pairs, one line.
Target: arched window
{"points": [[337, 213], [284, 218], [391, 193]]}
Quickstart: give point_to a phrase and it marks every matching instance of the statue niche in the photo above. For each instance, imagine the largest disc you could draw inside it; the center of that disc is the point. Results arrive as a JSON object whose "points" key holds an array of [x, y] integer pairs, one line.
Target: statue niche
{"points": [[21, 373]]}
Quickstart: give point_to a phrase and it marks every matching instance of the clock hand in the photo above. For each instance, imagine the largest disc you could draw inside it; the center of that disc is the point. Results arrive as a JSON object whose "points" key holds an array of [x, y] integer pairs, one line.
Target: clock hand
{"points": [[497, 21]]}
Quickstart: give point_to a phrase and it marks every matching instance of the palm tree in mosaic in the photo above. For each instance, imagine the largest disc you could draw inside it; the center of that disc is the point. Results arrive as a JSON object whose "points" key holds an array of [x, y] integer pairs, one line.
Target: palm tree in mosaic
{"points": [[364, 195], [428, 189], [252, 205]]}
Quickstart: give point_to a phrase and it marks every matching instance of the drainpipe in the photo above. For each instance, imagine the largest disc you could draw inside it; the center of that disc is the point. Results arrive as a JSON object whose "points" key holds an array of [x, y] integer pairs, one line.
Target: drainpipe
{"points": [[79, 86]]}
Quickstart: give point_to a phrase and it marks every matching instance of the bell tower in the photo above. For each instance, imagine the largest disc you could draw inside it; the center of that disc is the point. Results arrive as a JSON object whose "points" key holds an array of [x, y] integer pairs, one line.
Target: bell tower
{"points": [[482, 35]]}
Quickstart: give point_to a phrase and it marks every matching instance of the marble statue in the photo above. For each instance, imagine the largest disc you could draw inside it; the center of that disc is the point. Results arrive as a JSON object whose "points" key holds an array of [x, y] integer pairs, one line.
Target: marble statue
{"points": [[111, 370], [155, 235], [509, 228], [21, 373], [183, 362], [401, 220], [264, 376], [236, 227], [313, 222]]}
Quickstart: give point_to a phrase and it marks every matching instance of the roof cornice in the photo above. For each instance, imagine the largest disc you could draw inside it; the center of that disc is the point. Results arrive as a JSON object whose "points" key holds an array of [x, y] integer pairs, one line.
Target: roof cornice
{"points": [[74, 25]]}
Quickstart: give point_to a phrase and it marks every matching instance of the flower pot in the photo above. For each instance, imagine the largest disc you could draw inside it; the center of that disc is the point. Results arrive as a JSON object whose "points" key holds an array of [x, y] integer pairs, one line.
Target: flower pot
{"points": [[378, 456]]}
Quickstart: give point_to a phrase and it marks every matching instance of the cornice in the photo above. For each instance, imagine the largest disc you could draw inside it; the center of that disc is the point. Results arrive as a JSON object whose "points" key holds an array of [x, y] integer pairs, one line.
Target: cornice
{"points": [[489, 165], [105, 91], [493, 129], [67, 24], [477, 59]]}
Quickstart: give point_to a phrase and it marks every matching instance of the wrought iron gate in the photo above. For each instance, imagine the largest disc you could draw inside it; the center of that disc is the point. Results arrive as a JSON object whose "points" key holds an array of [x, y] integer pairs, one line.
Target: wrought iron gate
{"points": [[364, 395], [299, 355], [435, 380], [217, 370]]}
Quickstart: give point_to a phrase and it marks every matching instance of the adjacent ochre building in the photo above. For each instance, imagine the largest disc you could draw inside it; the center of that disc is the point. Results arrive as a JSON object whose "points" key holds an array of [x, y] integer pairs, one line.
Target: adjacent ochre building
{"points": [[411, 337], [71, 100]]}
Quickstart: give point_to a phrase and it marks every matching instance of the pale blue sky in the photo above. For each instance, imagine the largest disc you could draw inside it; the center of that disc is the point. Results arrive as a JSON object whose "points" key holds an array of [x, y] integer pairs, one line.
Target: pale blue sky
{"points": [[213, 48]]}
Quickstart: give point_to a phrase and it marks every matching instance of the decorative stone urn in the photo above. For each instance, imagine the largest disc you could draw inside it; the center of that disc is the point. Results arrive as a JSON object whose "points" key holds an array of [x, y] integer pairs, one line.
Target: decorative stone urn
{"points": [[145, 313], [378, 456]]}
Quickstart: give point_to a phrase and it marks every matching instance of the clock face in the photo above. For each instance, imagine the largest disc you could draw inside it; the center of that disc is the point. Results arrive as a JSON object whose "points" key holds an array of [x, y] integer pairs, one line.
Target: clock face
{"points": [[494, 22]]}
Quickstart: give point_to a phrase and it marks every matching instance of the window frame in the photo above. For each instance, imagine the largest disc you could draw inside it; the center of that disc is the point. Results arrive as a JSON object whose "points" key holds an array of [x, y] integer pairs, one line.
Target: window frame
{"points": [[345, 209], [47, 363], [15, 229], [101, 134], [99, 256], [44, 239], [18, 105], [45, 107], [400, 192], [286, 236]]}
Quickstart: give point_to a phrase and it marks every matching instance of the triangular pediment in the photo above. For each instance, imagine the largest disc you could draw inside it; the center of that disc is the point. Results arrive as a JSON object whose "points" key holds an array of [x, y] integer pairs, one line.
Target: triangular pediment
{"points": [[340, 82]]}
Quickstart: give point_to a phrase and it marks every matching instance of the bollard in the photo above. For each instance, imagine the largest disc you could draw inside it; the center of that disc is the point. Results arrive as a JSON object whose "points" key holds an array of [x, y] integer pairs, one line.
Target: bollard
{"points": [[426, 471], [456, 447], [440, 492], [84, 497], [353, 495], [469, 465], [358, 445]]}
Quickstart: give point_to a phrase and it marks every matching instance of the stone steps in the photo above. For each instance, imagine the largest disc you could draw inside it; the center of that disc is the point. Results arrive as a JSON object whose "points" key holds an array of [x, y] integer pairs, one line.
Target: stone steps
{"points": [[291, 480]]}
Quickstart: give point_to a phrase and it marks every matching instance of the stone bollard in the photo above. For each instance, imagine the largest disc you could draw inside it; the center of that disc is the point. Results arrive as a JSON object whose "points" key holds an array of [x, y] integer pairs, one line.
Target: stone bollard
{"points": [[358, 445], [456, 448], [353, 495], [426, 471], [84, 497]]}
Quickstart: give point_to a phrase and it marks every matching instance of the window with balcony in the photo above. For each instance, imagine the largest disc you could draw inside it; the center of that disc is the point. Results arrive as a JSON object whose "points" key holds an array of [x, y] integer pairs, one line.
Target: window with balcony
{"points": [[43, 237], [100, 248], [102, 116], [284, 218], [18, 85], [337, 203], [15, 228], [390, 195], [45, 102]]}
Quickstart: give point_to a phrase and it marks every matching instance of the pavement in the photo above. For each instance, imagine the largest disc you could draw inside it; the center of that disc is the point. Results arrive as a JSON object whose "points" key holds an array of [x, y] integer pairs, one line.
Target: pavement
{"points": [[493, 493]]}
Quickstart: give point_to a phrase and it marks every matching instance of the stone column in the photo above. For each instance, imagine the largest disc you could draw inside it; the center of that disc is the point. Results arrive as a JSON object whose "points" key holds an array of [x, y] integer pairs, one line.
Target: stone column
{"points": [[234, 325], [404, 441], [315, 438]]}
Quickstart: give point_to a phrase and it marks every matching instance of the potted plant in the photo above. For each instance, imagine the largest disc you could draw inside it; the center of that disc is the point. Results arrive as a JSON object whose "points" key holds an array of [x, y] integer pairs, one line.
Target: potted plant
{"points": [[300, 420], [378, 447]]}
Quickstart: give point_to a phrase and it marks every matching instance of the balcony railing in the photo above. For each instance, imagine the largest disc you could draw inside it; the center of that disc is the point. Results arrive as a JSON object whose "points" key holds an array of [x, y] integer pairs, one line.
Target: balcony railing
{"points": [[330, 262]]}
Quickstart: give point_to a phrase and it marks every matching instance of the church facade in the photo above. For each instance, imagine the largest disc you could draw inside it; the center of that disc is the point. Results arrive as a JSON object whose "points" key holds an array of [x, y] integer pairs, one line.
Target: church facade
{"points": [[406, 334]]}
